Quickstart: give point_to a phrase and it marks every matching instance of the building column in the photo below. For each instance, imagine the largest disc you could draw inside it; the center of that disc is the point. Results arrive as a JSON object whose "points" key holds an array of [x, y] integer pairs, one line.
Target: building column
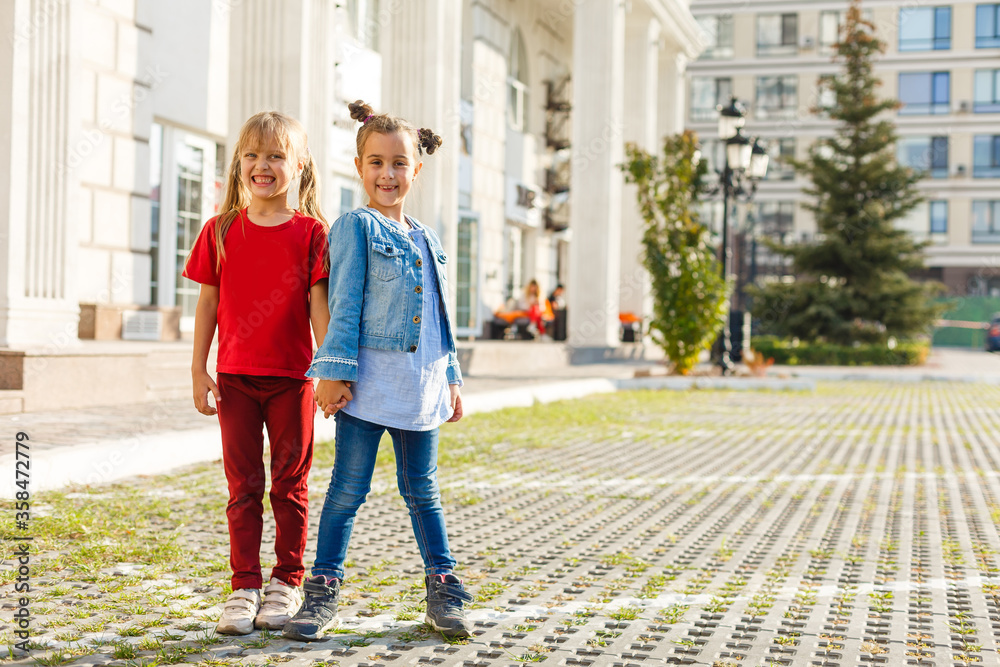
{"points": [[38, 304], [672, 91], [421, 82], [294, 74], [642, 39], [596, 180]]}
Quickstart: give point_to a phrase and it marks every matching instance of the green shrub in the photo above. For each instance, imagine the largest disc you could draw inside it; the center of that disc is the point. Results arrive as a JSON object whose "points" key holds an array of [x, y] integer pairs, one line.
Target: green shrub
{"points": [[793, 353]]}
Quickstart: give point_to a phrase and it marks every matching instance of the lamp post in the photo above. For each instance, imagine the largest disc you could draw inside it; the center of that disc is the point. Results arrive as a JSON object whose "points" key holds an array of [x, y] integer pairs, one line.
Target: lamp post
{"points": [[745, 164]]}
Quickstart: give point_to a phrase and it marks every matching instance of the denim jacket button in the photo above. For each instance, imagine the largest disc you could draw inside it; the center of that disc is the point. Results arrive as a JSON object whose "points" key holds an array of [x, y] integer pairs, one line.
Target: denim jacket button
{"points": [[420, 262], [419, 289], [413, 348], [416, 319]]}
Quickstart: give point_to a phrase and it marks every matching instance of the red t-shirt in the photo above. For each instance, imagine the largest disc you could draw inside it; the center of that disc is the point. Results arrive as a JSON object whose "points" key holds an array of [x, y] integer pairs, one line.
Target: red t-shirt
{"points": [[263, 292]]}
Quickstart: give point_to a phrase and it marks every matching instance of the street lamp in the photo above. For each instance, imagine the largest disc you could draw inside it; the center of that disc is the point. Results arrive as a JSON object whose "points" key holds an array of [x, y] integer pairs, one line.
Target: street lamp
{"points": [[746, 163]]}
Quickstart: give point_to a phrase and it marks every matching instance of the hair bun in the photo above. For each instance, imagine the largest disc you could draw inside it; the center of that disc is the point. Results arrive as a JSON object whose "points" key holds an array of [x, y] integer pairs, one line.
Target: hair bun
{"points": [[429, 141], [360, 110]]}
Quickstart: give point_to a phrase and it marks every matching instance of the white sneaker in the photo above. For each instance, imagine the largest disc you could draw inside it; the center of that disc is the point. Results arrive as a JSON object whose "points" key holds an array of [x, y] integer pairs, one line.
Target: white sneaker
{"points": [[281, 601], [239, 612]]}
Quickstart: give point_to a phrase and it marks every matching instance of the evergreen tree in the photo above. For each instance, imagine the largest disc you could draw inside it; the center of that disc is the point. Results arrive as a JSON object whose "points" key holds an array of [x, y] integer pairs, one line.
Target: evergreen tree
{"points": [[853, 282], [689, 294]]}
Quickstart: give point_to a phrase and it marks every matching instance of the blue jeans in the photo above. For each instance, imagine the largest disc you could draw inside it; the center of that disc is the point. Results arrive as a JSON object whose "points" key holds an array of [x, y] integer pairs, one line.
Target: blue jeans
{"points": [[416, 474]]}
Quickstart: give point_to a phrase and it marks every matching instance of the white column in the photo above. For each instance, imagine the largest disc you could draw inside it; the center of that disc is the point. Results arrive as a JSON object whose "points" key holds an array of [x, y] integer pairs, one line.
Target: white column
{"points": [[275, 50], [596, 180], [282, 59], [37, 238], [421, 82], [642, 37], [672, 90]]}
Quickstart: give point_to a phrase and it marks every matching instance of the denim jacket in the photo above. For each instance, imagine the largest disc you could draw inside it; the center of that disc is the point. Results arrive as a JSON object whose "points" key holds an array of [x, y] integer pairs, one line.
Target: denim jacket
{"points": [[376, 285]]}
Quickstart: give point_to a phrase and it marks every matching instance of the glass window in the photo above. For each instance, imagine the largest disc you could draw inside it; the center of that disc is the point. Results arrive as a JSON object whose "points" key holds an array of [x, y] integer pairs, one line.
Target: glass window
{"points": [[190, 163], [713, 151], [775, 221], [826, 98], [987, 94], [988, 26], [777, 96], [986, 221], [924, 154], [364, 20], [718, 32], [707, 93], [466, 287], [986, 156], [777, 34], [829, 30], [830, 23], [781, 152], [346, 200], [939, 216], [925, 92], [924, 28], [155, 182], [517, 83]]}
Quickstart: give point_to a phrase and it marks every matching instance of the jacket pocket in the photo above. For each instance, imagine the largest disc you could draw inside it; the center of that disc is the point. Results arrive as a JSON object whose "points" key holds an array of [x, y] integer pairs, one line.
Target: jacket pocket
{"points": [[386, 260]]}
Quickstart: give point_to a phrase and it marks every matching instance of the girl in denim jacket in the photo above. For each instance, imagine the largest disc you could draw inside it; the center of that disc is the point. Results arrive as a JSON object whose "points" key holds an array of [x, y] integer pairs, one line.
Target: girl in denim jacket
{"points": [[389, 360]]}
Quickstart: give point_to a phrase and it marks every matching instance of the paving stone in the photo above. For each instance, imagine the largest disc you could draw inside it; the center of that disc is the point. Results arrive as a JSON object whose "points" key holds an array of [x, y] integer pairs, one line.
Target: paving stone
{"points": [[853, 526]]}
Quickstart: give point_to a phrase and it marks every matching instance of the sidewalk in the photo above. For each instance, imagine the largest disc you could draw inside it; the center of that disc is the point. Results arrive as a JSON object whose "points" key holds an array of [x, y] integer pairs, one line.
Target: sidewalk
{"points": [[945, 363], [105, 444]]}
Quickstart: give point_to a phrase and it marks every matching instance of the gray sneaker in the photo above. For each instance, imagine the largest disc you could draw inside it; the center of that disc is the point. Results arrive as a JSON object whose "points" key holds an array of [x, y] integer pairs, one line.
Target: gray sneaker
{"points": [[318, 611], [445, 596]]}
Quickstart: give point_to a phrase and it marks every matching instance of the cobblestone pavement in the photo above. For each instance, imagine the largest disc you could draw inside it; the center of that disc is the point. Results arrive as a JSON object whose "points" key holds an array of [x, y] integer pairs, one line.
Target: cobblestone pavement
{"points": [[851, 525]]}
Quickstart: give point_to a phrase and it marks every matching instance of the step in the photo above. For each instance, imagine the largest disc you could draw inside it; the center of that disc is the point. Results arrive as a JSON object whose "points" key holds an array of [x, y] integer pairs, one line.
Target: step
{"points": [[11, 401]]}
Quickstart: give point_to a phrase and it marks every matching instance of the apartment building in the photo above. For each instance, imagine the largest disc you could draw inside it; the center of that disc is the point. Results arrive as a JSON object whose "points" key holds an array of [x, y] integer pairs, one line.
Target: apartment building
{"points": [[942, 63]]}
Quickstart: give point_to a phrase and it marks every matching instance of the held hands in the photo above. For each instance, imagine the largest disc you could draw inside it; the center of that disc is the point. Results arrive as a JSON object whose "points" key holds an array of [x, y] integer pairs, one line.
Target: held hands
{"points": [[456, 403], [332, 395], [203, 383]]}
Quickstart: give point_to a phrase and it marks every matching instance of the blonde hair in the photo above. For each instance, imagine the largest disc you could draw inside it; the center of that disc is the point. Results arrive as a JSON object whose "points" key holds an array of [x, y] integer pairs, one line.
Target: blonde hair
{"points": [[291, 136], [424, 140]]}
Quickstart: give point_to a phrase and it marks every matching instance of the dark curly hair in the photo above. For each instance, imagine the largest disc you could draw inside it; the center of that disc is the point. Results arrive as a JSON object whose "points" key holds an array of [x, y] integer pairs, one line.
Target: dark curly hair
{"points": [[424, 139]]}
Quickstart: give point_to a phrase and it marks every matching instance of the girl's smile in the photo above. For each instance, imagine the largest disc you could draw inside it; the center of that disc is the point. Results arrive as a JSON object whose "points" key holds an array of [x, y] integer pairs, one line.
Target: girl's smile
{"points": [[387, 171], [267, 170]]}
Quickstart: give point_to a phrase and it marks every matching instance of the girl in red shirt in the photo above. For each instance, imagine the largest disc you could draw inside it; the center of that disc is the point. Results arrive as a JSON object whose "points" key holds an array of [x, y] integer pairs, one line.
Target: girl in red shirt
{"points": [[262, 264]]}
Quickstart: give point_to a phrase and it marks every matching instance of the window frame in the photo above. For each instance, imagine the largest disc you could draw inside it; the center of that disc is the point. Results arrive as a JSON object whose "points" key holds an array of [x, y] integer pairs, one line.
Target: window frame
{"points": [[991, 168], [934, 107], [938, 204], [990, 102], [935, 42], [782, 111], [936, 150], [827, 48], [704, 113], [778, 170], [518, 86], [717, 50], [991, 209], [988, 37], [788, 28]]}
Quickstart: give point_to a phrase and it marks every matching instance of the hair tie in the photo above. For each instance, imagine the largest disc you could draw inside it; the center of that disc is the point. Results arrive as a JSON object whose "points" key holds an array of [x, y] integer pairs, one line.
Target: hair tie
{"points": [[367, 118]]}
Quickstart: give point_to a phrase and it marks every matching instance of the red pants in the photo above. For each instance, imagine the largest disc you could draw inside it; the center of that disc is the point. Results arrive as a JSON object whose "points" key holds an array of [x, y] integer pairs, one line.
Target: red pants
{"points": [[285, 406]]}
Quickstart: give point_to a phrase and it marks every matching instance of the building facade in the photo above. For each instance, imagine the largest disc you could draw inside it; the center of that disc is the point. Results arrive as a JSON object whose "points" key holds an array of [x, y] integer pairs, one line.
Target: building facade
{"points": [[121, 116], [942, 63]]}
